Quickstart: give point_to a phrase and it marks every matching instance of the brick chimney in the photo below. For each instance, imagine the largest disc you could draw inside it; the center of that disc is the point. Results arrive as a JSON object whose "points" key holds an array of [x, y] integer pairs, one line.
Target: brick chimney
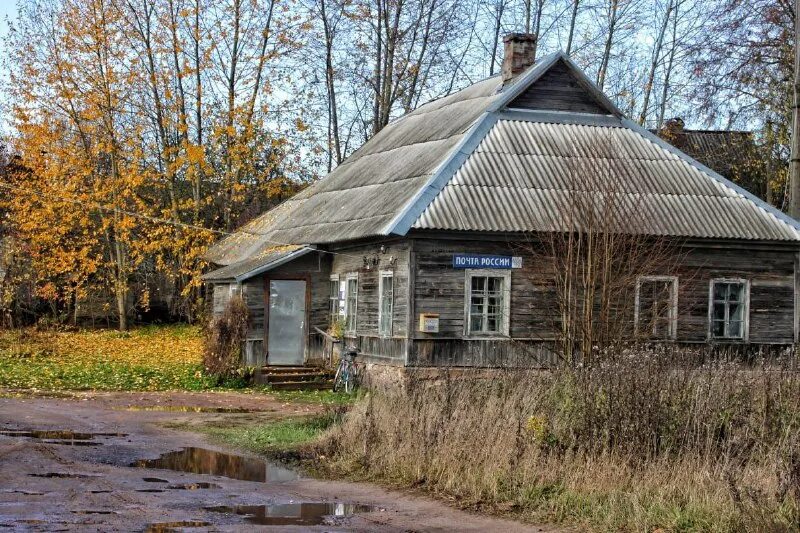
{"points": [[519, 54]]}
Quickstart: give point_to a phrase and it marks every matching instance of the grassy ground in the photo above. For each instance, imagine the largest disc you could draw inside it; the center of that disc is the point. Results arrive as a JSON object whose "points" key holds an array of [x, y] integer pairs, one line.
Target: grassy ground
{"points": [[271, 436], [634, 445], [152, 358], [144, 359]]}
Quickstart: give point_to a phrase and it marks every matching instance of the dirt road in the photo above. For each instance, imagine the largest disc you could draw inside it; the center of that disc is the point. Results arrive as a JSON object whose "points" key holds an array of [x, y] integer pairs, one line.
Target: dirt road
{"points": [[56, 481]]}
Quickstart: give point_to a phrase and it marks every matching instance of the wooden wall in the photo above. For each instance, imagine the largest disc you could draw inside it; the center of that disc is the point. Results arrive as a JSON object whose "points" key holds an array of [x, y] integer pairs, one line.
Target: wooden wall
{"points": [[395, 257], [426, 263], [771, 276], [534, 309], [558, 90]]}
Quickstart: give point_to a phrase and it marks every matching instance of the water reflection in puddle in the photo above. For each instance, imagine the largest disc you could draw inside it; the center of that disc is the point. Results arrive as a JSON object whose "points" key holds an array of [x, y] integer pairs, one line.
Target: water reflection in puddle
{"points": [[298, 514], [164, 527], [203, 461], [59, 437], [185, 409], [193, 486], [66, 475]]}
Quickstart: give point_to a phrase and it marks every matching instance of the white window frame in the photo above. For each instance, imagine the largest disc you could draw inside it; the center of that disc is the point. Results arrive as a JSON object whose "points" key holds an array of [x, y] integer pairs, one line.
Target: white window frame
{"points": [[505, 323], [234, 289], [745, 314], [351, 276], [673, 311], [334, 278], [382, 275]]}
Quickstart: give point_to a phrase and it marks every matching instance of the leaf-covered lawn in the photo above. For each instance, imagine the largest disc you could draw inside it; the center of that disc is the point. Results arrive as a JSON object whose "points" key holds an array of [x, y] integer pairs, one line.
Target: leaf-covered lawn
{"points": [[144, 359]]}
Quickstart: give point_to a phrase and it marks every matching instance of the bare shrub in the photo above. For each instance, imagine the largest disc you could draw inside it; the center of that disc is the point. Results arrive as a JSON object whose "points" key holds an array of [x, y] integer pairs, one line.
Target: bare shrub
{"points": [[600, 241], [640, 441], [224, 340]]}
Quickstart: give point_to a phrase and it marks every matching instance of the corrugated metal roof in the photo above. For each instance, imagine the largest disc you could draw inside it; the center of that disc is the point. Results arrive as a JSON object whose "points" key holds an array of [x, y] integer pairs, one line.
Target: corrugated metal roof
{"points": [[468, 162], [363, 194], [267, 258], [533, 176]]}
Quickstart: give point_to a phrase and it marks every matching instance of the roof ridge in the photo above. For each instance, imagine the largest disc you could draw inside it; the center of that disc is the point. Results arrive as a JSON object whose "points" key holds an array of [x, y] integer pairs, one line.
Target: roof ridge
{"points": [[405, 219]]}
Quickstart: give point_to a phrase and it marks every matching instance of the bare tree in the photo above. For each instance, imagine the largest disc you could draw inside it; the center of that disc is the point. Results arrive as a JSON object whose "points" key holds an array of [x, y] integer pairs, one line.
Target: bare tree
{"points": [[794, 170], [572, 22], [655, 60], [601, 246]]}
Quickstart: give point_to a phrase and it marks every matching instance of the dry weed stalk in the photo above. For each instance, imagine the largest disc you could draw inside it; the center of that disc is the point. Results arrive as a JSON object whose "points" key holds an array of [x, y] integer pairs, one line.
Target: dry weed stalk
{"points": [[642, 439], [224, 339]]}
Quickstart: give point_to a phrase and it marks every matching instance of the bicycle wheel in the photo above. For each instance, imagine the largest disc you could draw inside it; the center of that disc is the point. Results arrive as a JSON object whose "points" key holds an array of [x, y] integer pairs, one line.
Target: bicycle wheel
{"points": [[348, 383], [338, 379]]}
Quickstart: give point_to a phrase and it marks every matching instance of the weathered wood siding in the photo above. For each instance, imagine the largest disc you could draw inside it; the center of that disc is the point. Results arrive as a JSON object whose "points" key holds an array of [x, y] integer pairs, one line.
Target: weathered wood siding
{"points": [[221, 296], [439, 288], [771, 276], [368, 261], [253, 296], [558, 90]]}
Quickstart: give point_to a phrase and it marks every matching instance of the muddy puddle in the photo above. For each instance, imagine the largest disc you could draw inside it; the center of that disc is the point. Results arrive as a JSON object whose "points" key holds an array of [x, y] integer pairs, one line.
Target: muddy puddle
{"points": [[185, 409], [66, 475], [61, 437], [194, 486], [204, 461], [294, 514], [165, 527]]}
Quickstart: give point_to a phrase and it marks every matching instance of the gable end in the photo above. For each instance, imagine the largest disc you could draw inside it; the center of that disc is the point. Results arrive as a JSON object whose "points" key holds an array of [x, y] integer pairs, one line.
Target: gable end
{"points": [[559, 90]]}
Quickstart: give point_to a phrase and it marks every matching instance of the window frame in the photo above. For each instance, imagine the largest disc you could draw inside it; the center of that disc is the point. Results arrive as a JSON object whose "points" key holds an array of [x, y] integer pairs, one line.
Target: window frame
{"points": [[352, 276], [382, 275], [673, 319], [234, 289], [334, 312], [745, 313], [504, 331]]}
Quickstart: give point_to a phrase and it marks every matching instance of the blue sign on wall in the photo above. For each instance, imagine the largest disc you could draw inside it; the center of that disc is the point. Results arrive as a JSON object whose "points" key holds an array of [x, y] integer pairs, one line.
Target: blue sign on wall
{"points": [[486, 261]]}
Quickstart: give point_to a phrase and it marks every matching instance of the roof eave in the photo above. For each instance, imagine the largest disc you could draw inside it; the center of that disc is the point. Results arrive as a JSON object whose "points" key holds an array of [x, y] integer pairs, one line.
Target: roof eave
{"points": [[274, 264]]}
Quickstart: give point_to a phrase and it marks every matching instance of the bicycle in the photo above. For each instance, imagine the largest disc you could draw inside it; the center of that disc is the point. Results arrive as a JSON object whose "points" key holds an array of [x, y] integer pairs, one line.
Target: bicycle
{"points": [[346, 371]]}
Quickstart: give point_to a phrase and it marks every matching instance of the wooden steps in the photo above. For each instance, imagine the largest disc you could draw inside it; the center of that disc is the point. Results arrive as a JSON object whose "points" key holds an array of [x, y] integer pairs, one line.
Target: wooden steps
{"points": [[294, 377]]}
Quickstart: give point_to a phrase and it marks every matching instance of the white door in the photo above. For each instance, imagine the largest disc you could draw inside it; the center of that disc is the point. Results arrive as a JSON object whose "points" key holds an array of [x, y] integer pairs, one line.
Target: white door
{"points": [[287, 322]]}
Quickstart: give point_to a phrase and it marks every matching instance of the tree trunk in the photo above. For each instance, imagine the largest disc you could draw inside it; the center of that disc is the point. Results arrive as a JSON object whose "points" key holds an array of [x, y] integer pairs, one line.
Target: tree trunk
{"points": [[648, 87], [573, 19], [612, 25], [334, 143], [496, 37], [794, 164]]}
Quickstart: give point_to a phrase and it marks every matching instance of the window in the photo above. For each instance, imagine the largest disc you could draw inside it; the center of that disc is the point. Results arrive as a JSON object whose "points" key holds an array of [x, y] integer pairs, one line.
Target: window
{"points": [[334, 299], [487, 302], [386, 302], [656, 313], [728, 308], [351, 303]]}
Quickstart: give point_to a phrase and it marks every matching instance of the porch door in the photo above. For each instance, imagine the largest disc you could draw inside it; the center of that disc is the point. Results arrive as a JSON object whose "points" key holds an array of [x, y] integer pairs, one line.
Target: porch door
{"points": [[287, 322]]}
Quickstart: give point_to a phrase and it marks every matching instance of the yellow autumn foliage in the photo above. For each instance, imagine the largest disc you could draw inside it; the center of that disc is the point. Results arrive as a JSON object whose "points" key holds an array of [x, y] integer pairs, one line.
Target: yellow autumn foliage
{"points": [[151, 358]]}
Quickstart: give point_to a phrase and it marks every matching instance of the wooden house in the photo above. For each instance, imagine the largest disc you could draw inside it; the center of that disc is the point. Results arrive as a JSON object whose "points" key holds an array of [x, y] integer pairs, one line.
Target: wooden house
{"points": [[414, 241]]}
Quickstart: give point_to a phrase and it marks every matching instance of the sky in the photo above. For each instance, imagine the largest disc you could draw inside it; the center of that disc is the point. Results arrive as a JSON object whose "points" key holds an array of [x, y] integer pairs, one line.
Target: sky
{"points": [[8, 9]]}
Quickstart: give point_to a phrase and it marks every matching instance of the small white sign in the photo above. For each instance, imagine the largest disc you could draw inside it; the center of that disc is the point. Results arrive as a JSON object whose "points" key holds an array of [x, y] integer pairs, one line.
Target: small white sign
{"points": [[429, 323]]}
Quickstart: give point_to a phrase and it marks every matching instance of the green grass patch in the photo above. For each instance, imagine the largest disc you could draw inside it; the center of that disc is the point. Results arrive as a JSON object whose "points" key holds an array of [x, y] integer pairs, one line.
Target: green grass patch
{"points": [[324, 397], [278, 435]]}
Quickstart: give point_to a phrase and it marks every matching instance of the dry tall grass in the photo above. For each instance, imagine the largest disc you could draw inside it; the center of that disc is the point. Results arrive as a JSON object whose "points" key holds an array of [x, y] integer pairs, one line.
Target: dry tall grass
{"points": [[640, 442], [224, 339]]}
